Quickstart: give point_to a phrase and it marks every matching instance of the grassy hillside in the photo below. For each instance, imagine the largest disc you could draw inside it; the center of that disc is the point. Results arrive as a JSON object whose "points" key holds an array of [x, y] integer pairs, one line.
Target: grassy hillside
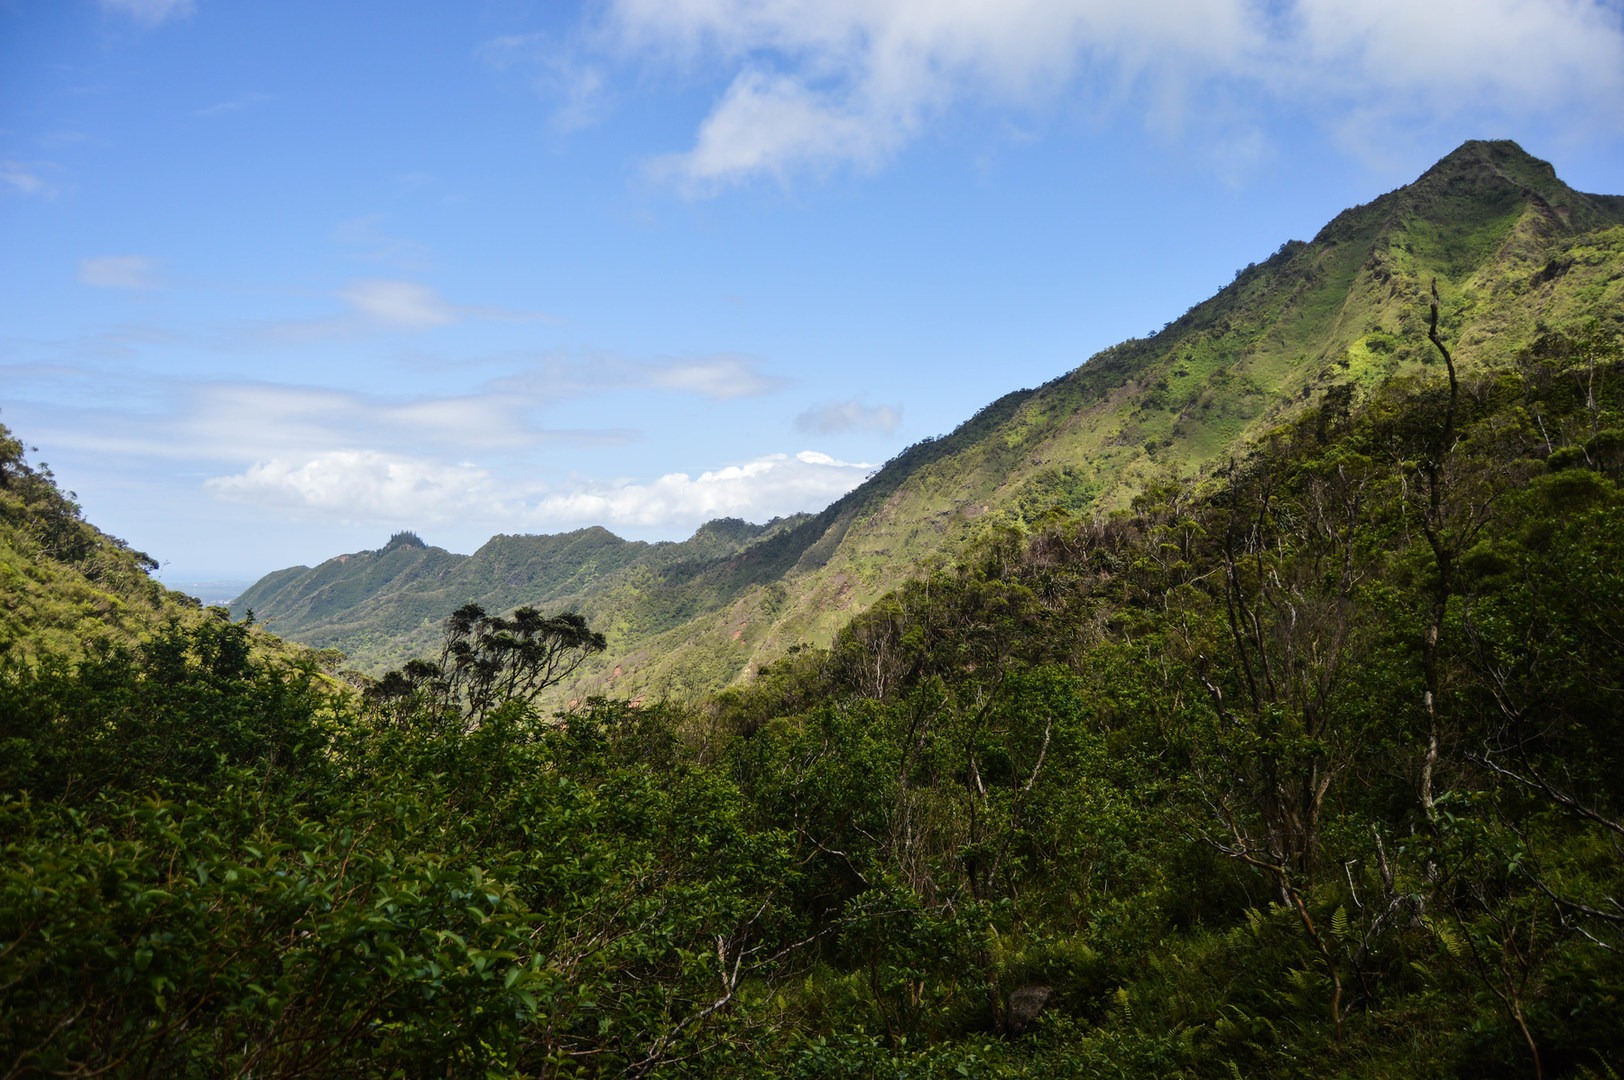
{"points": [[69, 591], [65, 584], [1514, 252]]}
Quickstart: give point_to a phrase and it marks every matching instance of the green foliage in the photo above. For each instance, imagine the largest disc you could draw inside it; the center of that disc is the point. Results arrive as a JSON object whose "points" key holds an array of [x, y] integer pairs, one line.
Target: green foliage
{"points": [[1300, 764], [487, 661], [236, 936], [191, 702]]}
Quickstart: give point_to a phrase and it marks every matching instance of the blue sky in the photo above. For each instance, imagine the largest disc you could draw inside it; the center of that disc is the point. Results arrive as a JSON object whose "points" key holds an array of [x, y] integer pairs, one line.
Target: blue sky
{"points": [[278, 279]]}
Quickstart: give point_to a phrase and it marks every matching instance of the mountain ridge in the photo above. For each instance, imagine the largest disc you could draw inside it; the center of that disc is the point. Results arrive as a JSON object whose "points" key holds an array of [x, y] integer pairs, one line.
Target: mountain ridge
{"points": [[1514, 250]]}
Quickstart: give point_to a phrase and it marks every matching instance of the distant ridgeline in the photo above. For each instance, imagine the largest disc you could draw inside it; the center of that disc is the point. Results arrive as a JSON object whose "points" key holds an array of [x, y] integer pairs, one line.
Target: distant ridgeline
{"points": [[1516, 254]]}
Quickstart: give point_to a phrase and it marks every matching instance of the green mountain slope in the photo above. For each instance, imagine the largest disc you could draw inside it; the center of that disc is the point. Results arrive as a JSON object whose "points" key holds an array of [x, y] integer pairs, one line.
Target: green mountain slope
{"points": [[64, 584], [1513, 250], [70, 593]]}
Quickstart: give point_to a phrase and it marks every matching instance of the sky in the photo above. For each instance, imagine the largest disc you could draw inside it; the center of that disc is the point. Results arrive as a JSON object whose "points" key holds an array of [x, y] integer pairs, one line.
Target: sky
{"points": [[280, 279]]}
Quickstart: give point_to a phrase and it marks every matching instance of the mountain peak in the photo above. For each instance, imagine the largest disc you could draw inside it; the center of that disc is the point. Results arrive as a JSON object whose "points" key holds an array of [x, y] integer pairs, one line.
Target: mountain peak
{"points": [[1501, 160], [404, 539], [1495, 153], [1480, 179]]}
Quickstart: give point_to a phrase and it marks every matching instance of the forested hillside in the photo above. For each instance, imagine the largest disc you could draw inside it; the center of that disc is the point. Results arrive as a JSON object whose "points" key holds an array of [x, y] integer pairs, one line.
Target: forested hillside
{"points": [[1515, 254], [1303, 767]]}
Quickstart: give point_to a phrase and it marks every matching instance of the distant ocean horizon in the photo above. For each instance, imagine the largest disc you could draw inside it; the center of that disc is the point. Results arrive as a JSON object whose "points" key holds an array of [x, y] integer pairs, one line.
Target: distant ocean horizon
{"points": [[214, 590]]}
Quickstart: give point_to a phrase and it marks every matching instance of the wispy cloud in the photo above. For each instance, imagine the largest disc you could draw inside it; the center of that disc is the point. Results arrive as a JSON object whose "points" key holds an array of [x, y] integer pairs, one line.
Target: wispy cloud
{"points": [[718, 376], [27, 178], [120, 272], [404, 305], [243, 420], [383, 305], [365, 239], [573, 86], [231, 105], [835, 417], [775, 124], [231, 421], [849, 83], [150, 12], [485, 458], [409, 305]]}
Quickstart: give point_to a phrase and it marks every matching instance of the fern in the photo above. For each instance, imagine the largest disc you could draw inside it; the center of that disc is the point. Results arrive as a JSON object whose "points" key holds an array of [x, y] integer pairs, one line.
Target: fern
{"points": [[1446, 935], [1254, 919]]}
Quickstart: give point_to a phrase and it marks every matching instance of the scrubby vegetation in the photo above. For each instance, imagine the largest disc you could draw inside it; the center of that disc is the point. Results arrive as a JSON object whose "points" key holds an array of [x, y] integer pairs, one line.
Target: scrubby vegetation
{"points": [[1303, 766]]}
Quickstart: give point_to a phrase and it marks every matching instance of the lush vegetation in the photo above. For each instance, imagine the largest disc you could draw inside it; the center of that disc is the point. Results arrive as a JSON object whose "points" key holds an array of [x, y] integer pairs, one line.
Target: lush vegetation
{"points": [[1267, 724], [1515, 251], [1306, 766]]}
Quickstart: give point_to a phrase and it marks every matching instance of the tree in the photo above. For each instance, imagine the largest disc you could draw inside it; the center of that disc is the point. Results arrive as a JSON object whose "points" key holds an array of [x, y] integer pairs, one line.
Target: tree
{"points": [[487, 660]]}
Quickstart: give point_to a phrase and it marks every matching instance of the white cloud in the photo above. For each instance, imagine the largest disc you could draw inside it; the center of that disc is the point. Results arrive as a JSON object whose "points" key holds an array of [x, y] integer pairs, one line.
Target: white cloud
{"points": [[224, 426], [364, 486], [848, 82], [767, 487], [359, 486], [259, 420], [581, 90], [404, 305], [25, 178], [1531, 54], [376, 304], [719, 376], [818, 84], [768, 123], [559, 373], [834, 417], [407, 305], [151, 12], [119, 272]]}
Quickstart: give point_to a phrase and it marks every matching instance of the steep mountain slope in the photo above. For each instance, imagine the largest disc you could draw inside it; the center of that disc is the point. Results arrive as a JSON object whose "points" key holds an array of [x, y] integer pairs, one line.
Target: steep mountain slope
{"points": [[1514, 251], [70, 593], [64, 584]]}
